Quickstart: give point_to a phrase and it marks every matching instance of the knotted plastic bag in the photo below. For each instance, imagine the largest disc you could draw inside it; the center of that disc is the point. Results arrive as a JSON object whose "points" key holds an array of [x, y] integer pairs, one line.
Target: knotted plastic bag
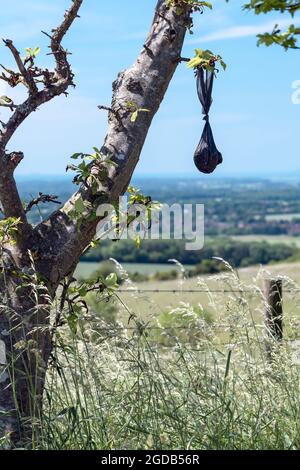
{"points": [[207, 157]]}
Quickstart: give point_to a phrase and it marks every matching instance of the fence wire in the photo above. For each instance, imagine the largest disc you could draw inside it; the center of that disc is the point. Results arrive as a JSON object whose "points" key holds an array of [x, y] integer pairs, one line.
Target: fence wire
{"points": [[221, 316]]}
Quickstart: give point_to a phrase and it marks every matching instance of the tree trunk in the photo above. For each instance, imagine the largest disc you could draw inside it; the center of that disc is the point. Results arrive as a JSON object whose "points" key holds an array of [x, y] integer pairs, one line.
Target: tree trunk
{"points": [[25, 347], [57, 243]]}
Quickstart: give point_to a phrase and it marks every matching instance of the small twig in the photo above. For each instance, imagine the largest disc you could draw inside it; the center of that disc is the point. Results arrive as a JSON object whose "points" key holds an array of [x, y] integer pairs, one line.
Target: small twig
{"points": [[62, 66], [11, 106], [42, 198], [28, 79], [63, 299], [182, 59], [115, 113], [13, 79], [55, 83], [149, 51]]}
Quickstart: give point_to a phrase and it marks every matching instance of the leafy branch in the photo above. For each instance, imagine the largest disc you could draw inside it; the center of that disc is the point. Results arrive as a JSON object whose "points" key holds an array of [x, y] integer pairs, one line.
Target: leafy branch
{"points": [[76, 296], [8, 230], [136, 198], [42, 198], [266, 6], [287, 39], [7, 102], [91, 171], [206, 59], [53, 83], [195, 5], [93, 166]]}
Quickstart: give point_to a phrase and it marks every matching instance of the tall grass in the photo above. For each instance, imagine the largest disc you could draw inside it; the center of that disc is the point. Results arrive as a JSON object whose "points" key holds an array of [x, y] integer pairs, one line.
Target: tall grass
{"points": [[183, 380]]}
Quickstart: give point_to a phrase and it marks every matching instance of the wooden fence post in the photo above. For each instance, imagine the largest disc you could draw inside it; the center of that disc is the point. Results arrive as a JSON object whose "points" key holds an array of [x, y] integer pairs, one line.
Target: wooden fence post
{"points": [[273, 312]]}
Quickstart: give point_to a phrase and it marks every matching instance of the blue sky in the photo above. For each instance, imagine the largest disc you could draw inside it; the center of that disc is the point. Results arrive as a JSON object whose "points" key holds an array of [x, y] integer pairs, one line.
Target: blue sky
{"points": [[255, 124]]}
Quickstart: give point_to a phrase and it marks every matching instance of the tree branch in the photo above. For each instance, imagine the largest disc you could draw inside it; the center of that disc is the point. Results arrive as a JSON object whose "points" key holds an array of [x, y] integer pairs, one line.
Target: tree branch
{"points": [[11, 203], [54, 84], [28, 79], [62, 66], [42, 198]]}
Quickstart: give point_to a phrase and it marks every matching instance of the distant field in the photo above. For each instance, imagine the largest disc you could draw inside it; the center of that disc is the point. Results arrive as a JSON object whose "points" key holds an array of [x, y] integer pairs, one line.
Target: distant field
{"points": [[85, 269], [148, 306], [287, 217], [288, 240], [151, 305]]}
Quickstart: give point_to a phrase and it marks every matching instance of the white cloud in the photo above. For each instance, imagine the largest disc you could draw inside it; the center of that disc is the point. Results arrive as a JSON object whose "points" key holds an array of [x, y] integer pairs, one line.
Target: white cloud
{"points": [[242, 31]]}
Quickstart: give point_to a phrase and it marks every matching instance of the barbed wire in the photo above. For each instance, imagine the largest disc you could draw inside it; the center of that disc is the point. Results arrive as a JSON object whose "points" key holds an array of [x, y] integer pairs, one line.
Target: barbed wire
{"points": [[174, 291], [193, 291]]}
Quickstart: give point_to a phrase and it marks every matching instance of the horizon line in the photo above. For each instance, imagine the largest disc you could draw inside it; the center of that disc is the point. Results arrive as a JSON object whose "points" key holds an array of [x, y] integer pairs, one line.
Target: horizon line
{"points": [[52, 176]]}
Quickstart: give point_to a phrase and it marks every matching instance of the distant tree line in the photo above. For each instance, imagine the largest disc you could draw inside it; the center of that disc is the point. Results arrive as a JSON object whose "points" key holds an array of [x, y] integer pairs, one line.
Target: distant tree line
{"points": [[238, 254]]}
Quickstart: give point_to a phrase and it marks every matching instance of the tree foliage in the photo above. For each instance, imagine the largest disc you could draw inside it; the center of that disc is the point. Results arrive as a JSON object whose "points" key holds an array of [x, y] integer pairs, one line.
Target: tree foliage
{"points": [[287, 39]]}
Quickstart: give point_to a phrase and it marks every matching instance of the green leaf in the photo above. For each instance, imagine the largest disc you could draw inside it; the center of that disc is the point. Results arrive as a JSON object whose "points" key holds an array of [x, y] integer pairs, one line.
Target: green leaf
{"points": [[205, 59], [79, 206], [134, 116], [223, 65], [111, 280], [193, 63], [94, 243], [36, 51], [32, 52], [82, 291], [6, 99], [75, 156]]}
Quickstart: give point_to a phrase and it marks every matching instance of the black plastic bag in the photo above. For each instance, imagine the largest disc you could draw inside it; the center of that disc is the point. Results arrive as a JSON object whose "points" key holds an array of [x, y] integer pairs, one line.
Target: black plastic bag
{"points": [[207, 157]]}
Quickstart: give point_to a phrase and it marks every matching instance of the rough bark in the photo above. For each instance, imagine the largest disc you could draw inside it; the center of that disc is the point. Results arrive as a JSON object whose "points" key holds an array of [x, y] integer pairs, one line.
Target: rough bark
{"points": [[53, 248], [25, 336], [25, 344]]}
